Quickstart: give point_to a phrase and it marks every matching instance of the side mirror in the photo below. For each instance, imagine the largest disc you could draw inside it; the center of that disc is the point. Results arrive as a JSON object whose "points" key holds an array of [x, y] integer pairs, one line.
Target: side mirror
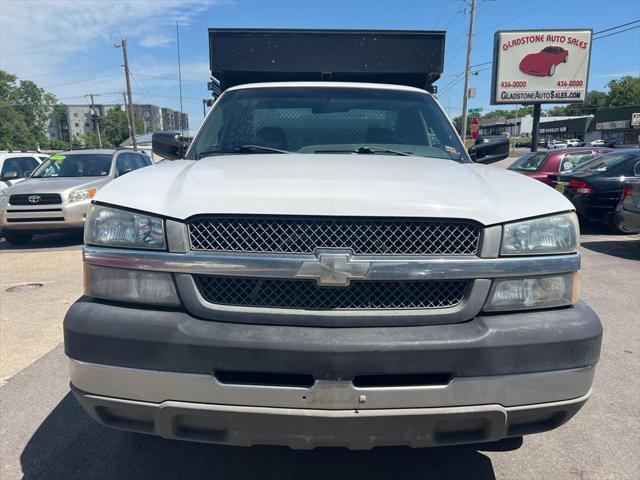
{"points": [[10, 175], [489, 150], [168, 145], [126, 170], [28, 173]]}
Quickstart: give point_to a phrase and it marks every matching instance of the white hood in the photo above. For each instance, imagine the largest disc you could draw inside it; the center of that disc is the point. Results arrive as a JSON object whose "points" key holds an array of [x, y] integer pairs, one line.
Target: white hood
{"points": [[334, 185]]}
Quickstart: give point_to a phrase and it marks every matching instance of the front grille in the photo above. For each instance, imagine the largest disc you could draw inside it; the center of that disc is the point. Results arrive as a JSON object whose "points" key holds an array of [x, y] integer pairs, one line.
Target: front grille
{"points": [[38, 199], [362, 236], [307, 295]]}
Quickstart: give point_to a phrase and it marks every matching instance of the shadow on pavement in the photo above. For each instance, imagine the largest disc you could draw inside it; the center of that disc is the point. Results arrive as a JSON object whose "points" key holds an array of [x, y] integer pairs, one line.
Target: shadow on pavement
{"points": [[52, 240], [626, 249], [70, 445]]}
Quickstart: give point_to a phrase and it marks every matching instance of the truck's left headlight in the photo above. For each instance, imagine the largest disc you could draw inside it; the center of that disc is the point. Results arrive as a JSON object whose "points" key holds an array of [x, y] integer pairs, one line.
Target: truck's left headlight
{"points": [[552, 234], [112, 227]]}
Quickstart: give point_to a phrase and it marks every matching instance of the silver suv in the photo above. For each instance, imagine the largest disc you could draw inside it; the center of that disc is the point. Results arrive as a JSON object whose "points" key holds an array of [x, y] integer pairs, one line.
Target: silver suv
{"points": [[57, 194]]}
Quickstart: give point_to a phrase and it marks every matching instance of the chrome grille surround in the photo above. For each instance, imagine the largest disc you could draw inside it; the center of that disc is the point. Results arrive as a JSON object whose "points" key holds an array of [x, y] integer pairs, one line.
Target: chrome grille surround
{"points": [[35, 199], [304, 235], [308, 295], [187, 265]]}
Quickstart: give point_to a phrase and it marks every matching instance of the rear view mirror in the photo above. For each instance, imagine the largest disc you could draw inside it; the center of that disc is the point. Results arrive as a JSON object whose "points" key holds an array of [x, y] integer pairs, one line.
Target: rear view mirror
{"points": [[169, 145], [490, 149]]}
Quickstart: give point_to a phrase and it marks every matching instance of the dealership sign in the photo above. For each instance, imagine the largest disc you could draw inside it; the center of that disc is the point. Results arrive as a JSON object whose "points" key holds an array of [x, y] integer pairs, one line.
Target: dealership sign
{"points": [[540, 66]]}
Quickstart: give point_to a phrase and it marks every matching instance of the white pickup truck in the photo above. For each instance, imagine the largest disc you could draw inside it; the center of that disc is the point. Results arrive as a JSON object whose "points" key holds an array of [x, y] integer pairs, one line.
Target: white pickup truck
{"points": [[325, 265]]}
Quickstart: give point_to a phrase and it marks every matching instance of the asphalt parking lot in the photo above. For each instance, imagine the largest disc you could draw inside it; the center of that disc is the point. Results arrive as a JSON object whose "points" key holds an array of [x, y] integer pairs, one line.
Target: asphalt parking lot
{"points": [[45, 434]]}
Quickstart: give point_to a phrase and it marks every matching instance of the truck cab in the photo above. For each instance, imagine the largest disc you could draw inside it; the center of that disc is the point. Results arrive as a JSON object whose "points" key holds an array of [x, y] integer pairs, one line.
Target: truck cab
{"points": [[325, 265]]}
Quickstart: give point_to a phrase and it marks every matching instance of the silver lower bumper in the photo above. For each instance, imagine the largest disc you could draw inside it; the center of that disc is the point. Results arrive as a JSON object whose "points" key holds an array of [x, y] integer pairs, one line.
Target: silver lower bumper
{"points": [[44, 217], [199, 408], [311, 428]]}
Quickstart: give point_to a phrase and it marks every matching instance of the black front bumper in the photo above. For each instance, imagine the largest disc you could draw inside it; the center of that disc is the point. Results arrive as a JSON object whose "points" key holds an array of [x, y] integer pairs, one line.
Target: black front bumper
{"points": [[175, 341]]}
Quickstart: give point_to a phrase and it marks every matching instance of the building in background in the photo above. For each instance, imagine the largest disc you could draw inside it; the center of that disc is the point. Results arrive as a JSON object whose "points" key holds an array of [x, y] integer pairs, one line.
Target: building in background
{"points": [[150, 116], [77, 120], [556, 128], [616, 124]]}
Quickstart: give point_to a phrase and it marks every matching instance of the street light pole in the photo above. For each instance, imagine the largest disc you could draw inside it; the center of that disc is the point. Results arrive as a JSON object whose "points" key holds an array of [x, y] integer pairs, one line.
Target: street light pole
{"points": [[467, 71], [132, 122]]}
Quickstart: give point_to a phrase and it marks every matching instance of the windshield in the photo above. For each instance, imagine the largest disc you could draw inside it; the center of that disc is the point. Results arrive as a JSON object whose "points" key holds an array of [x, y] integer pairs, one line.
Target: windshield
{"points": [[327, 120], [530, 162], [605, 162], [75, 165]]}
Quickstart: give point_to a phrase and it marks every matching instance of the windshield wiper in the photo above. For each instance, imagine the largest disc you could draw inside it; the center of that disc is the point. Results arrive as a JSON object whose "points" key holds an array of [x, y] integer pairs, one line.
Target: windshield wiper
{"points": [[242, 149], [368, 150], [258, 148]]}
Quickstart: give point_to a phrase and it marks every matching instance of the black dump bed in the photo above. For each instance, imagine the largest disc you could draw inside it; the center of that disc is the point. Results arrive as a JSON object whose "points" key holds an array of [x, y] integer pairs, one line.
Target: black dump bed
{"points": [[240, 56]]}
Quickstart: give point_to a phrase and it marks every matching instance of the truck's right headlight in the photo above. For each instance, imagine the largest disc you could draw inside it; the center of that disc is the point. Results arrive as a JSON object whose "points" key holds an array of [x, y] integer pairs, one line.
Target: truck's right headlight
{"points": [[545, 235], [112, 227]]}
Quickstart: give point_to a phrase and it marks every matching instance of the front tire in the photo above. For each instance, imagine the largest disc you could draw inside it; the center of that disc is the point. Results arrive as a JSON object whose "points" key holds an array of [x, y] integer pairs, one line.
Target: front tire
{"points": [[18, 238], [552, 70]]}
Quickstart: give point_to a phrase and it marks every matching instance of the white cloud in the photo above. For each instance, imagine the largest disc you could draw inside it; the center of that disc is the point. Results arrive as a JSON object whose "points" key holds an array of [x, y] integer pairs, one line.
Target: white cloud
{"points": [[67, 46]]}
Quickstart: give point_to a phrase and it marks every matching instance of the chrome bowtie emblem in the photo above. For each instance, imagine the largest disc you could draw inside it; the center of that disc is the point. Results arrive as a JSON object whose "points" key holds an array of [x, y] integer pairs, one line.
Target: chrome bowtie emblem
{"points": [[334, 268], [34, 199]]}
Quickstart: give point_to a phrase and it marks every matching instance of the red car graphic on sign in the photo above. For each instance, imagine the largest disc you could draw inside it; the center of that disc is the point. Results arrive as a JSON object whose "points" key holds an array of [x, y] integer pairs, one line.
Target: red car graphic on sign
{"points": [[543, 63]]}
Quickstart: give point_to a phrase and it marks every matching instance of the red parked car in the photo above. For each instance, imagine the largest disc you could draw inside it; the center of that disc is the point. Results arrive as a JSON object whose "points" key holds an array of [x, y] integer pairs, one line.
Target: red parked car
{"points": [[543, 63], [540, 165]]}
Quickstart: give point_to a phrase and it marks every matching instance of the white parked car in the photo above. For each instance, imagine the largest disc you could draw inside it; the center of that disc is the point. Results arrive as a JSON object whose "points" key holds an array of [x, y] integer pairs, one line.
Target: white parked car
{"points": [[15, 165], [602, 143], [557, 144], [574, 142], [326, 265]]}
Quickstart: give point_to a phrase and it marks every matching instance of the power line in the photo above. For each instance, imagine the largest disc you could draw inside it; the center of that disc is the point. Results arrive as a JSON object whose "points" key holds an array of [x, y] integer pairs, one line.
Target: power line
{"points": [[616, 33], [616, 27], [51, 52], [515, 18], [77, 81]]}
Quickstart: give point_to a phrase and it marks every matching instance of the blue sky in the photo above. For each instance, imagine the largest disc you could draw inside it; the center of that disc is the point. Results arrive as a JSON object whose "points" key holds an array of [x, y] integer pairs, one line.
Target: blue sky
{"points": [[67, 46]]}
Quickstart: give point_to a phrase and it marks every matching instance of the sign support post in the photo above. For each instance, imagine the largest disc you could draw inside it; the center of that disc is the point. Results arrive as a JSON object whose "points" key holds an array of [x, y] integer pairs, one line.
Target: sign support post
{"points": [[536, 127]]}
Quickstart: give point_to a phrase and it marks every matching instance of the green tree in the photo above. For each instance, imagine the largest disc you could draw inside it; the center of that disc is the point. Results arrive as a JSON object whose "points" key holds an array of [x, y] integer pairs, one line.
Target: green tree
{"points": [[115, 126], [24, 112], [625, 91], [90, 140]]}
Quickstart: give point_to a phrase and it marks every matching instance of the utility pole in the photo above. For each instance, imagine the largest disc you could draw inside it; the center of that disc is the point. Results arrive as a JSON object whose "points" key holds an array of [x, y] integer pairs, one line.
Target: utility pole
{"points": [[132, 122], [94, 120], [467, 71], [179, 79], [126, 109]]}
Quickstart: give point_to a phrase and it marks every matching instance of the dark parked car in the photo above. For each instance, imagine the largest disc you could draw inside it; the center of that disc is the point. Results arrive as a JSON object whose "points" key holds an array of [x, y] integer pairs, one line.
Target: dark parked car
{"points": [[595, 188], [544, 62], [627, 214], [541, 165]]}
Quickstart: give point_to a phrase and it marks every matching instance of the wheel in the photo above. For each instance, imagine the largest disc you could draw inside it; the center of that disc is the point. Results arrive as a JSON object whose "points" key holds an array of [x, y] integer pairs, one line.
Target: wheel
{"points": [[552, 70], [18, 238], [565, 59], [614, 226]]}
